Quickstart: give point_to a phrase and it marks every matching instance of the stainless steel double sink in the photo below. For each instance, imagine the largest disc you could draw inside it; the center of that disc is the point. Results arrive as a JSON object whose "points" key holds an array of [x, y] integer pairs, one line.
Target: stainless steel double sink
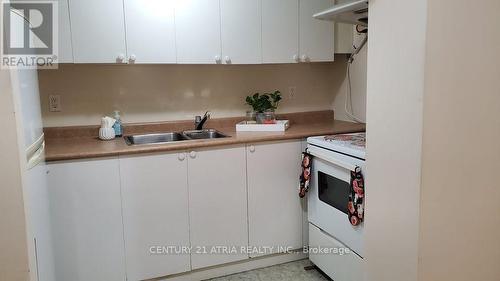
{"points": [[173, 137]]}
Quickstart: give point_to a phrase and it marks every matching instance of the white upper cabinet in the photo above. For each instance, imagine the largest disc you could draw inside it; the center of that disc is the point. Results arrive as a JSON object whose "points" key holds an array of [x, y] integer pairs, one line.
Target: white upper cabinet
{"points": [[280, 35], [241, 31], [98, 31], [150, 27], [65, 46], [197, 24], [316, 36], [155, 213], [217, 205], [195, 31]]}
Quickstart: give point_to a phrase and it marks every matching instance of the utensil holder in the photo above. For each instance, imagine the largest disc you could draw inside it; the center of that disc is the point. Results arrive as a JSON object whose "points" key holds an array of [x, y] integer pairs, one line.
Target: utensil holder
{"points": [[106, 133]]}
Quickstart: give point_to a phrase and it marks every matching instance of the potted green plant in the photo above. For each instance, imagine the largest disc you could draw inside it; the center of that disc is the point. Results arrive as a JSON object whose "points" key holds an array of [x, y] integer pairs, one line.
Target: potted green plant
{"points": [[264, 104]]}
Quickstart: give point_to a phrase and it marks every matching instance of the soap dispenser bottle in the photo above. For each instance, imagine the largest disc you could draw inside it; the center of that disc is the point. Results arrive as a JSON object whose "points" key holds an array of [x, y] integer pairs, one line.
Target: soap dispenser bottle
{"points": [[118, 124]]}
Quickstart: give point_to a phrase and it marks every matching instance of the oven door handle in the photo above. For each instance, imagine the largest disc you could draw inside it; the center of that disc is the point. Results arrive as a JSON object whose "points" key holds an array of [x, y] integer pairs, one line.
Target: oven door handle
{"points": [[317, 152]]}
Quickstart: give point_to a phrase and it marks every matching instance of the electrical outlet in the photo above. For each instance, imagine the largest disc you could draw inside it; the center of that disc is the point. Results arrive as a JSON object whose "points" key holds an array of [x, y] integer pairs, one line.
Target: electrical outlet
{"points": [[291, 92], [55, 103]]}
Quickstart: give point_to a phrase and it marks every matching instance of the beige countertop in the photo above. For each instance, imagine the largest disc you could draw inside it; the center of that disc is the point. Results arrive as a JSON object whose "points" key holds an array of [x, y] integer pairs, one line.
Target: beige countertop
{"points": [[61, 146]]}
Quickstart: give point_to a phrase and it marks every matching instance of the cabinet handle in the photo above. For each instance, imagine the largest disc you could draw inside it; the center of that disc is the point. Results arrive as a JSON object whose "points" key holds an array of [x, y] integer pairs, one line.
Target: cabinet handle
{"points": [[182, 156], [217, 59], [251, 148], [227, 59], [305, 58], [296, 58], [132, 58], [192, 154]]}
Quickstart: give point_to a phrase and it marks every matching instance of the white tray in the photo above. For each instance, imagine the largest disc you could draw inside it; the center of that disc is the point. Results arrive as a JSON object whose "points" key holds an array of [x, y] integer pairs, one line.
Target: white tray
{"points": [[280, 126]]}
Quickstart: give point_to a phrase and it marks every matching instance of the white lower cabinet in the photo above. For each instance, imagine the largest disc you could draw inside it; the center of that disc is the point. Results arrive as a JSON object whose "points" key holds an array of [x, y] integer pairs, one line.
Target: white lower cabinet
{"points": [[217, 205], [128, 217], [274, 207], [155, 214], [86, 220]]}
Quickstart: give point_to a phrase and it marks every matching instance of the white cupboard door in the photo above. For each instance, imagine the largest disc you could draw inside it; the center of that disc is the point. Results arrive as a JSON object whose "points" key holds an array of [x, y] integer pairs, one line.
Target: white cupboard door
{"points": [[86, 220], [280, 31], [274, 207], [65, 46], [197, 31], [155, 214], [241, 31], [150, 27], [98, 31], [217, 205], [316, 36]]}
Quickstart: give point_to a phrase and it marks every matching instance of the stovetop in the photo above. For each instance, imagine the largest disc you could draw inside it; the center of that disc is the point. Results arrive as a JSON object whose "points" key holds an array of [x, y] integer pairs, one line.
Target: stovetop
{"points": [[350, 144]]}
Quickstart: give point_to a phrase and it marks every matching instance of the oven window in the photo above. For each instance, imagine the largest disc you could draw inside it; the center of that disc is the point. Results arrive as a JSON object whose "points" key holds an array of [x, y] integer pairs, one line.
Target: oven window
{"points": [[333, 191]]}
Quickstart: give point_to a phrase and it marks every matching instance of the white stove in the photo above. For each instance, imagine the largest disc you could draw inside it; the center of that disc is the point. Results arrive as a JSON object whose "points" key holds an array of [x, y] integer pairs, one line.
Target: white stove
{"points": [[334, 157]]}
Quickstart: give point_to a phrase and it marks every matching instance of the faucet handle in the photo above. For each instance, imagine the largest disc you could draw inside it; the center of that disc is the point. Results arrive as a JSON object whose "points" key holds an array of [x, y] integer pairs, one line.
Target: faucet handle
{"points": [[207, 114]]}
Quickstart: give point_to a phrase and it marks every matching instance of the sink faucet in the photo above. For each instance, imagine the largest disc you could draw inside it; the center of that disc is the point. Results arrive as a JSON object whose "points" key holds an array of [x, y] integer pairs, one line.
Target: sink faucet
{"points": [[199, 121]]}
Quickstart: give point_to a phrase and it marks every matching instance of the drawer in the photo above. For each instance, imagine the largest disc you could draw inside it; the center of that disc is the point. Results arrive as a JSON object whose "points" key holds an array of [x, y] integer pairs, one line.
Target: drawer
{"points": [[340, 267]]}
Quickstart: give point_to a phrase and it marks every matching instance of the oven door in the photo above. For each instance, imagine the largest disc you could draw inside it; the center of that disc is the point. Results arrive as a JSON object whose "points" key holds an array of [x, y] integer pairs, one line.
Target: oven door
{"points": [[328, 196]]}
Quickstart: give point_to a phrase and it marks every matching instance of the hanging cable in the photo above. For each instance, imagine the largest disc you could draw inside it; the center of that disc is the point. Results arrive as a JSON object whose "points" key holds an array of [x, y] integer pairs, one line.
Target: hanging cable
{"points": [[348, 101]]}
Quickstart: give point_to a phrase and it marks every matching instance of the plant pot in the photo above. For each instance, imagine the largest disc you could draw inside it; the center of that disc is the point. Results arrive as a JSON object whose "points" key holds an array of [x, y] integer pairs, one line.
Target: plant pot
{"points": [[269, 117], [260, 117], [266, 117]]}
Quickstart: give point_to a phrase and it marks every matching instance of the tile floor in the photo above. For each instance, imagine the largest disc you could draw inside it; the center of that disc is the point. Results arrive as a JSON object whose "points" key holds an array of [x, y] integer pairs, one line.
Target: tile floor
{"points": [[293, 271]]}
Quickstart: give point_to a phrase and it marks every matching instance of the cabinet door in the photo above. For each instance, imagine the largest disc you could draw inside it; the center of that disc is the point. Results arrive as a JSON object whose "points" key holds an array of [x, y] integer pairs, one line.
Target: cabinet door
{"points": [[280, 31], [316, 36], [65, 46], [155, 214], [150, 30], [241, 31], [197, 31], [86, 220], [217, 204], [98, 31], [274, 207]]}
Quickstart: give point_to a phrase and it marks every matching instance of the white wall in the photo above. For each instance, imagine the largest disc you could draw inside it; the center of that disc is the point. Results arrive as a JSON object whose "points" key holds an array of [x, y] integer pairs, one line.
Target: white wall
{"points": [[460, 199], [13, 246], [148, 93], [396, 50]]}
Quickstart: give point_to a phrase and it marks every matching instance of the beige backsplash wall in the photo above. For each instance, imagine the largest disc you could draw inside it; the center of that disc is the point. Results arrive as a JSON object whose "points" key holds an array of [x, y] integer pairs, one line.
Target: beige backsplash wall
{"points": [[148, 93]]}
